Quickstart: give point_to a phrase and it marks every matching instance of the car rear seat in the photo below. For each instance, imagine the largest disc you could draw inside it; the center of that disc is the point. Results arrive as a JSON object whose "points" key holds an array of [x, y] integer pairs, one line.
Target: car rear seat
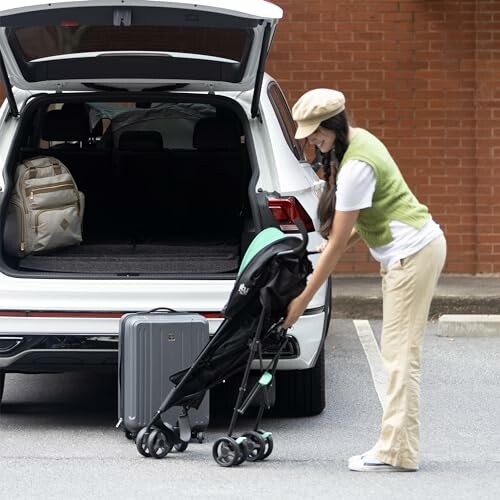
{"points": [[143, 167], [91, 168], [211, 181]]}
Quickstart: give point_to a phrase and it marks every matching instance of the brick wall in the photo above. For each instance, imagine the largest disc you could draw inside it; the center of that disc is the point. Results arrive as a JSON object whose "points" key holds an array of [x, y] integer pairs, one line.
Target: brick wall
{"points": [[423, 75]]}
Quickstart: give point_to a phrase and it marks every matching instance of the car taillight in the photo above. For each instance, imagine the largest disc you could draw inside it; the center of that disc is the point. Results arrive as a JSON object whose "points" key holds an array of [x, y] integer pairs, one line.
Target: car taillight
{"points": [[286, 210]]}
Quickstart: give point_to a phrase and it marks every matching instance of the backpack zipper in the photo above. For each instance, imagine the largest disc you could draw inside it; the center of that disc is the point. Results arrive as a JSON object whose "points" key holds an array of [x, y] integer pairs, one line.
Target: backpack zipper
{"points": [[48, 189]]}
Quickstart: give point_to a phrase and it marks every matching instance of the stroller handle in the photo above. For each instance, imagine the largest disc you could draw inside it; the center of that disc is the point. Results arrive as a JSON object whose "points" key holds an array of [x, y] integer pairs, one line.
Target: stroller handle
{"points": [[305, 239]]}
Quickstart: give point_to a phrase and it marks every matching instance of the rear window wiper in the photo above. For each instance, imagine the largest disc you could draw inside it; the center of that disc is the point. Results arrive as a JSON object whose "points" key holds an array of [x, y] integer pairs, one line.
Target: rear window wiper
{"points": [[98, 86], [172, 86]]}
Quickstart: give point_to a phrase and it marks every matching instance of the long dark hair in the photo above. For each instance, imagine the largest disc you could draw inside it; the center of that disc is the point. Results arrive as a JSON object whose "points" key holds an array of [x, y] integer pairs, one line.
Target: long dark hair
{"points": [[330, 162]]}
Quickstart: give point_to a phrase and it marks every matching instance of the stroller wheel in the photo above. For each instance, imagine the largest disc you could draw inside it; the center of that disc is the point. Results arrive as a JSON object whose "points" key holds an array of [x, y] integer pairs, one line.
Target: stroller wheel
{"points": [[256, 445], [141, 442], [269, 443], [158, 444], [226, 452], [181, 447], [242, 443]]}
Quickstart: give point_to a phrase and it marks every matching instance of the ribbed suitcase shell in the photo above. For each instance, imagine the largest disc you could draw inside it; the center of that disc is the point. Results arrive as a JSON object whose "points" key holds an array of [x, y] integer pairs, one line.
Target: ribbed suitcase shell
{"points": [[152, 347]]}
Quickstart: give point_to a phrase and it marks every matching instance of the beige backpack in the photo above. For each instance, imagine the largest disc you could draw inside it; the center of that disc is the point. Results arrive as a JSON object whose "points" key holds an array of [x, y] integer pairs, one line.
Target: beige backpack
{"points": [[45, 210]]}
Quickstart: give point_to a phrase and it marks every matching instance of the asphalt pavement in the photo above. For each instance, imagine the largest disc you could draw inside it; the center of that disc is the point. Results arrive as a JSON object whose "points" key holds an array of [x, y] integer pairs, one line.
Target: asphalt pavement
{"points": [[58, 441]]}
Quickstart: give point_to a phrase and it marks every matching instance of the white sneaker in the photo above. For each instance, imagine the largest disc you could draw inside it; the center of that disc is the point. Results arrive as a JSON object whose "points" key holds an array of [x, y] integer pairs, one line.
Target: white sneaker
{"points": [[367, 463]]}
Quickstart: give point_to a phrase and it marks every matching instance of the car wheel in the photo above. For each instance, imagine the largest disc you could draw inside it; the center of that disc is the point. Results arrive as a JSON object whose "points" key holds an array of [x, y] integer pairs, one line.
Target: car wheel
{"points": [[301, 393], [2, 384]]}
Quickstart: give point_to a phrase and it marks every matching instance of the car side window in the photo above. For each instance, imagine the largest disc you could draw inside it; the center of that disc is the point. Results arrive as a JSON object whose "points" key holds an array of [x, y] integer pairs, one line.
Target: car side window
{"points": [[284, 115]]}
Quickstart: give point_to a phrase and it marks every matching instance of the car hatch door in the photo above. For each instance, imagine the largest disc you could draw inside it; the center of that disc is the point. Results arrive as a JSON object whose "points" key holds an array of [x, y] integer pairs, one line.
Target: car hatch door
{"points": [[77, 45]]}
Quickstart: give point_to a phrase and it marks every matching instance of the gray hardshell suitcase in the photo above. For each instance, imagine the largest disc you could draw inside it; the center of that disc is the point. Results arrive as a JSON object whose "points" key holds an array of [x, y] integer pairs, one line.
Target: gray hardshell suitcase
{"points": [[152, 346]]}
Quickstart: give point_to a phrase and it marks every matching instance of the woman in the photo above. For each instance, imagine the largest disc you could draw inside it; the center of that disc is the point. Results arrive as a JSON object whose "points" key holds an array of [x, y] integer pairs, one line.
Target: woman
{"points": [[370, 198]]}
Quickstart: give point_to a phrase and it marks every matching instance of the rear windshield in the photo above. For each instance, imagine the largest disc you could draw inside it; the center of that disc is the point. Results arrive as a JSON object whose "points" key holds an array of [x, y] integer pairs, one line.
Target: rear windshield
{"points": [[38, 42]]}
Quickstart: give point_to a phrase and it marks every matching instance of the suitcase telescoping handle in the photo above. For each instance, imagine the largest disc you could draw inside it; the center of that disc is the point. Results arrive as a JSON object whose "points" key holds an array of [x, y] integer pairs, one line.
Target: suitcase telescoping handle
{"points": [[162, 309]]}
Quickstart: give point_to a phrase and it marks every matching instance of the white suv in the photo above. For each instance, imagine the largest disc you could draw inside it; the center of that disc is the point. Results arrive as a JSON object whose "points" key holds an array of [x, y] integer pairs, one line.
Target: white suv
{"points": [[184, 149]]}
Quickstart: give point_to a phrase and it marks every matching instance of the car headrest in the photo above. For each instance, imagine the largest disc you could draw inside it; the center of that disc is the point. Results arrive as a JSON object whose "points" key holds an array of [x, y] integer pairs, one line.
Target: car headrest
{"points": [[140, 140], [71, 123], [216, 133]]}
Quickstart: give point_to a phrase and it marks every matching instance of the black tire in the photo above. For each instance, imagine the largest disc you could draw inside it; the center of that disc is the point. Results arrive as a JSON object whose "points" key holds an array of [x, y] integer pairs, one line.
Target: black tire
{"points": [[256, 446], [301, 393], [243, 453], [130, 435], [269, 445], [158, 444], [199, 436], [2, 385], [226, 452], [141, 442], [181, 447]]}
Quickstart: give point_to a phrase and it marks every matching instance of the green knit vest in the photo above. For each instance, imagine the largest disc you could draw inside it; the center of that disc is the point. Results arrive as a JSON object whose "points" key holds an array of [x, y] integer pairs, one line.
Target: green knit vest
{"points": [[392, 199]]}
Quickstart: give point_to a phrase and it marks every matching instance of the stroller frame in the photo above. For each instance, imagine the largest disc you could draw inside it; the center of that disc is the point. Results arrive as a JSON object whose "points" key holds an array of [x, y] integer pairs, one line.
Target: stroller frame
{"points": [[256, 444], [157, 439]]}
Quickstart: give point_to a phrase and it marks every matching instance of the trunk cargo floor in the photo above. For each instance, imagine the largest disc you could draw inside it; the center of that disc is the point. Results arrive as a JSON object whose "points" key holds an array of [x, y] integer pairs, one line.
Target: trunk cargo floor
{"points": [[211, 257]]}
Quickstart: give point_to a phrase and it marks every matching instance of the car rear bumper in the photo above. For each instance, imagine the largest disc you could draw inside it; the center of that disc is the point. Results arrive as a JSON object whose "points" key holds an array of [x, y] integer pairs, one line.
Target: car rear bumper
{"points": [[57, 344]]}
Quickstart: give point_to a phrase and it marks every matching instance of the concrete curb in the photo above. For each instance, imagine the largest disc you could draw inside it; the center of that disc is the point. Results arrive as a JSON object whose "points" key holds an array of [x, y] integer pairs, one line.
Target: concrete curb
{"points": [[462, 305], [469, 325], [370, 307]]}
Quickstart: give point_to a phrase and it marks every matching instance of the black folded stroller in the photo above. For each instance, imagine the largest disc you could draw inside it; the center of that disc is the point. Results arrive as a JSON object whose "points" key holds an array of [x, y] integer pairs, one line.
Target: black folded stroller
{"points": [[274, 270]]}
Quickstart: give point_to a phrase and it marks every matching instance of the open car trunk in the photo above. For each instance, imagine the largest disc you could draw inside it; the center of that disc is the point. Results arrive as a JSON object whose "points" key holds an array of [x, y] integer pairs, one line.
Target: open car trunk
{"points": [[165, 183]]}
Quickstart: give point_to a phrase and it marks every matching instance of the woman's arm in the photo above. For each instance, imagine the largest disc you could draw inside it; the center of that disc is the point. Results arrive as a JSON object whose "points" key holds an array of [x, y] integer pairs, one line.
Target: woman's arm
{"points": [[340, 235], [353, 239]]}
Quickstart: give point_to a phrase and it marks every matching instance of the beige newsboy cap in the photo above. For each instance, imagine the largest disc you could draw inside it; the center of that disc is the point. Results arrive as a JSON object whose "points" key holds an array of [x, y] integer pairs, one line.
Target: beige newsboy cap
{"points": [[314, 107]]}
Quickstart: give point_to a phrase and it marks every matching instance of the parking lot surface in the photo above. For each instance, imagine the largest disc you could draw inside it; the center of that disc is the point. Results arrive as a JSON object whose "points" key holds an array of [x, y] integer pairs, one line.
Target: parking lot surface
{"points": [[57, 435]]}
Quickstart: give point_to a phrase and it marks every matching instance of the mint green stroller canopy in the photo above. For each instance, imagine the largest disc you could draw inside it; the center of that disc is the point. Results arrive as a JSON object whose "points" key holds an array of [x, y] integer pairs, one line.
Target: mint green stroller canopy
{"points": [[261, 240]]}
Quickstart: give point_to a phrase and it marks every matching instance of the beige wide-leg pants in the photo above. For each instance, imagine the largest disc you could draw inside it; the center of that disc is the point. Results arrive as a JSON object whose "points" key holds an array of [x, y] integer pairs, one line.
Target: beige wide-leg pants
{"points": [[407, 290]]}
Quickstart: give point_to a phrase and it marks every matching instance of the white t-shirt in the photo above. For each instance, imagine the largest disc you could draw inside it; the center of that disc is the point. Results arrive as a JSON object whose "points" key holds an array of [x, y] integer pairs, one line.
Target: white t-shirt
{"points": [[355, 187]]}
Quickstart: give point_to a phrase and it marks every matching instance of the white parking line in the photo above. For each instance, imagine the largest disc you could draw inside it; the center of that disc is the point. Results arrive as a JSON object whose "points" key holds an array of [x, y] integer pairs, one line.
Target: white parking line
{"points": [[370, 346]]}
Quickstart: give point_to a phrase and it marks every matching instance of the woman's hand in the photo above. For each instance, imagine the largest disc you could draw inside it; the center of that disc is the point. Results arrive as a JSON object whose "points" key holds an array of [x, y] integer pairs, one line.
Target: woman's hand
{"points": [[295, 309], [331, 251], [322, 246]]}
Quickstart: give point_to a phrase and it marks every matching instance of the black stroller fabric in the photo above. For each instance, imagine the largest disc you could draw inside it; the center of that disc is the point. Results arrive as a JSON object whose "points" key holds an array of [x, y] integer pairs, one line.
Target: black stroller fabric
{"points": [[259, 299]]}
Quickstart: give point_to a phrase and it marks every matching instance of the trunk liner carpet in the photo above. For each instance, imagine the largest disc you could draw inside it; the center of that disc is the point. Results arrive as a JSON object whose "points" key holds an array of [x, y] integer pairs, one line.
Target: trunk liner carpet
{"points": [[139, 259]]}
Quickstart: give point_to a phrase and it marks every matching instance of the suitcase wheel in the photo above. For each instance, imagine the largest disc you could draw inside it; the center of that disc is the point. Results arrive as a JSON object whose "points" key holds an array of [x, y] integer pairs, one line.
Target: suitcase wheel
{"points": [[130, 435], [199, 436]]}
